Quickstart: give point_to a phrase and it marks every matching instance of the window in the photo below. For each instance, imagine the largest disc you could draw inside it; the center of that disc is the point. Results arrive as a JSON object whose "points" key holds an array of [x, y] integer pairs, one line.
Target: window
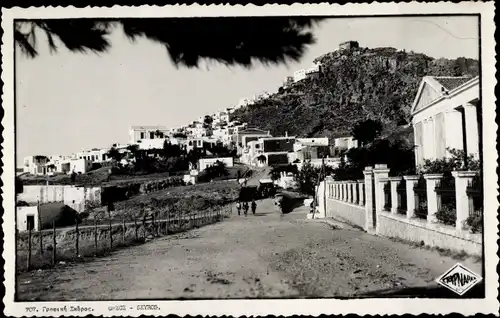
{"points": [[143, 135], [151, 135], [257, 146]]}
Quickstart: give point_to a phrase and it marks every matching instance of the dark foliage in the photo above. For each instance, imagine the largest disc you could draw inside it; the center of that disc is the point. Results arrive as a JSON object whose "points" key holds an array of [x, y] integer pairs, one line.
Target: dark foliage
{"points": [[366, 131], [397, 155], [187, 40]]}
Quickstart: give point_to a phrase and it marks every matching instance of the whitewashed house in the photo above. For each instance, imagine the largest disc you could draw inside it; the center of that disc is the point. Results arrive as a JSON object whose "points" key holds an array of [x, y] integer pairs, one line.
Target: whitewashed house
{"points": [[138, 133], [446, 113]]}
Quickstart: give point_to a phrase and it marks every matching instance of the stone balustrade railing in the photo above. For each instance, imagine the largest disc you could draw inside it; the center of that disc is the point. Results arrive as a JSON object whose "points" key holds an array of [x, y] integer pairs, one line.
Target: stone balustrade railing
{"points": [[347, 191]]}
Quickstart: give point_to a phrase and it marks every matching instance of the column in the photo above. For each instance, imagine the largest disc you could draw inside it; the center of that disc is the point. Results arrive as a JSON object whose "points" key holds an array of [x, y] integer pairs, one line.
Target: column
{"points": [[354, 185], [361, 185], [453, 130], [462, 179], [431, 181], [410, 195], [369, 217], [394, 193], [380, 173], [471, 128]]}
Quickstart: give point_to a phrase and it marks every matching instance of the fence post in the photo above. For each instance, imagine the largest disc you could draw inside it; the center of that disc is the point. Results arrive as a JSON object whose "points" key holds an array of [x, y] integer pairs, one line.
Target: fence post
{"points": [[361, 185], [136, 229], [394, 193], [369, 211], [431, 181], [110, 233], [54, 243], [77, 238], [123, 230], [153, 227], [410, 195], [95, 235], [40, 229], [28, 265], [462, 179]]}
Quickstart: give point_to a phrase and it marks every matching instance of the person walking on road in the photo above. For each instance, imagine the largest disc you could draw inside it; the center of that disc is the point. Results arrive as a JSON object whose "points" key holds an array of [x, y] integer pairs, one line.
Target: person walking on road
{"points": [[245, 207], [254, 207], [238, 207]]}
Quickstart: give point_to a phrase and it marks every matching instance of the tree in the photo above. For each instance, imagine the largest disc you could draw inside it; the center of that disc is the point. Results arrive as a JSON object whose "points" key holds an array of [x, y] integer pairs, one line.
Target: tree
{"points": [[208, 120], [366, 131], [307, 178], [188, 40], [159, 134], [180, 135], [218, 169], [114, 154], [170, 150], [133, 149]]}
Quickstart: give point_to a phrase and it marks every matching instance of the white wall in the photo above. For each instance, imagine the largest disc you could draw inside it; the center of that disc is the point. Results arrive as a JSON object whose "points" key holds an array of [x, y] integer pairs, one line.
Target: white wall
{"points": [[60, 193], [206, 162], [22, 212]]}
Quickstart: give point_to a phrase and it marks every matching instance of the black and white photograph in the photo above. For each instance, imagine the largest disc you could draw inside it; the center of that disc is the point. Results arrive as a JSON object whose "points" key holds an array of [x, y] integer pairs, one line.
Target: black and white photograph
{"points": [[223, 160]]}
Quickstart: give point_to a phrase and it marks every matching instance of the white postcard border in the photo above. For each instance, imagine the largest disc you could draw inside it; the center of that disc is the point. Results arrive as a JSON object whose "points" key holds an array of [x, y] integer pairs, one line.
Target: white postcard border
{"points": [[263, 307]]}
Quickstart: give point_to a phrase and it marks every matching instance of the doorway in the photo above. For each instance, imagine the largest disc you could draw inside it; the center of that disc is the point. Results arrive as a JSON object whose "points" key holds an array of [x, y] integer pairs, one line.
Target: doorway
{"points": [[30, 222]]}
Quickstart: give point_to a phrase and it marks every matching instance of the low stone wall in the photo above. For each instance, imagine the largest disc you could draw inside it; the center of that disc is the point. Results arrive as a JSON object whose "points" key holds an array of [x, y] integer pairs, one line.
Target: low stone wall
{"points": [[347, 212], [433, 235]]}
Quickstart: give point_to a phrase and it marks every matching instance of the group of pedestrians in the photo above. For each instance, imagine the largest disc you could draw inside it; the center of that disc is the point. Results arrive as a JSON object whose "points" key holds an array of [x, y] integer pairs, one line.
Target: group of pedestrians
{"points": [[245, 207]]}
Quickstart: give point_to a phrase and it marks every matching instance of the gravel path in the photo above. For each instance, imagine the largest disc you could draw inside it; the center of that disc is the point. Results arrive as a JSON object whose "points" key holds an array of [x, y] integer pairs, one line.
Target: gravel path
{"points": [[260, 256]]}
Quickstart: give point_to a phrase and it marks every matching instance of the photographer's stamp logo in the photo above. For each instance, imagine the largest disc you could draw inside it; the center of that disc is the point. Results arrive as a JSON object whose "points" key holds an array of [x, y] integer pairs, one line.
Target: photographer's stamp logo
{"points": [[459, 279]]}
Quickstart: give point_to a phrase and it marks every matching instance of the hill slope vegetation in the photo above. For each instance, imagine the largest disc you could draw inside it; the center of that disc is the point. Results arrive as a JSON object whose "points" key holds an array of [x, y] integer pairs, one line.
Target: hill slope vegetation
{"points": [[356, 85]]}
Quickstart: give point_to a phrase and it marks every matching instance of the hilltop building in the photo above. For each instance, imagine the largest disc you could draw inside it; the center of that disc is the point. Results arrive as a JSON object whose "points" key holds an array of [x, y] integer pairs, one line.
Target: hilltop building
{"points": [[349, 45]]}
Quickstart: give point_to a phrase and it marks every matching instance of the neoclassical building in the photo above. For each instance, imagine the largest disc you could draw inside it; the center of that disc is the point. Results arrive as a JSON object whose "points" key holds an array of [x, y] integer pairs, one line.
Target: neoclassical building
{"points": [[446, 113]]}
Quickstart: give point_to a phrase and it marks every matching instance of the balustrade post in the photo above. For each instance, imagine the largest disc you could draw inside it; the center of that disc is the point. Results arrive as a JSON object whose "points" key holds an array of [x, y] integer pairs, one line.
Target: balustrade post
{"points": [[355, 199], [337, 196], [431, 181], [394, 193], [369, 211], [410, 195], [361, 185], [344, 190], [349, 191], [462, 179]]}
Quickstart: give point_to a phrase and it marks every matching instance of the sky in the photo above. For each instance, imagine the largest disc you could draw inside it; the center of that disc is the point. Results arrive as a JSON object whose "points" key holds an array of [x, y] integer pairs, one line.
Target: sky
{"points": [[68, 102]]}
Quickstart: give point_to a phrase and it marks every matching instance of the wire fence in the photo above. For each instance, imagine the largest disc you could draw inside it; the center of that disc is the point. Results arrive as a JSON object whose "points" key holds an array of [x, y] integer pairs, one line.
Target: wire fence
{"points": [[48, 248]]}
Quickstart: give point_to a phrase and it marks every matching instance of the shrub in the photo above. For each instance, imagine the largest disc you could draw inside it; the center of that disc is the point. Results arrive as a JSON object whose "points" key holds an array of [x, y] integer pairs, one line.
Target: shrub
{"points": [[447, 214], [458, 161], [475, 222]]}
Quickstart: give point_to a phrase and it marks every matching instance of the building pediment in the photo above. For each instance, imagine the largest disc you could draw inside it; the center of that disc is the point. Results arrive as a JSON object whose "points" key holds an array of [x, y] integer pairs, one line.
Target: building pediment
{"points": [[429, 91]]}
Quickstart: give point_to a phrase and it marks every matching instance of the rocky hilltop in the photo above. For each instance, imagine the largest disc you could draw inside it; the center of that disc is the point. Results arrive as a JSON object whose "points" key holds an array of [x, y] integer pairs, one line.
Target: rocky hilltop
{"points": [[353, 85]]}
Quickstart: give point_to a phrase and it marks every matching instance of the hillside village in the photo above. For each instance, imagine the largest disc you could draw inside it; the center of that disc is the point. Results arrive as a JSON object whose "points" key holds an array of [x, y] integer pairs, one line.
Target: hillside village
{"points": [[439, 120], [383, 147], [253, 145]]}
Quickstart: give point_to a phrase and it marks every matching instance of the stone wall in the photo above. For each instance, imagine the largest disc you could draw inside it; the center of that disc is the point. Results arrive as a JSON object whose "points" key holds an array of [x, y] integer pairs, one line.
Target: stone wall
{"points": [[347, 212], [433, 235]]}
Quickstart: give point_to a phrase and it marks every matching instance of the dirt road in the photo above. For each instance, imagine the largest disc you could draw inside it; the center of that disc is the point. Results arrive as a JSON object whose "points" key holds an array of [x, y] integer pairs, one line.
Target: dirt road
{"points": [[261, 256]]}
